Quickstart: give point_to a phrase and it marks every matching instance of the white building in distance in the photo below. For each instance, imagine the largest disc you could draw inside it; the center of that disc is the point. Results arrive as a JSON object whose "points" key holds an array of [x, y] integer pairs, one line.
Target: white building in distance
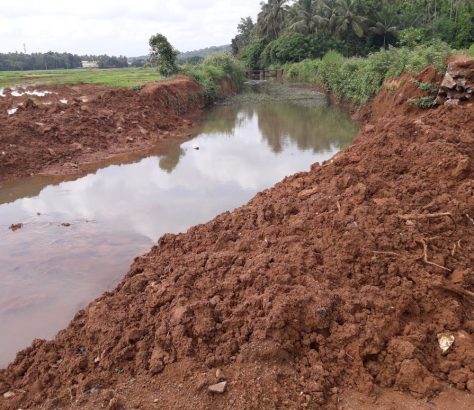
{"points": [[90, 64]]}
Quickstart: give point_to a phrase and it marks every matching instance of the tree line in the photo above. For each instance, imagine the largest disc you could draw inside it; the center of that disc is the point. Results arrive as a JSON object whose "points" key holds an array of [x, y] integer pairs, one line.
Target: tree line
{"points": [[291, 31], [52, 61]]}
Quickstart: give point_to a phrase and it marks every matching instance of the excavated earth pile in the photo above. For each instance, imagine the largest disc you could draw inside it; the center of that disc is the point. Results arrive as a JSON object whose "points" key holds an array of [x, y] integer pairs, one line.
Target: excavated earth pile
{"points": [[72, 125], [354, 275]]}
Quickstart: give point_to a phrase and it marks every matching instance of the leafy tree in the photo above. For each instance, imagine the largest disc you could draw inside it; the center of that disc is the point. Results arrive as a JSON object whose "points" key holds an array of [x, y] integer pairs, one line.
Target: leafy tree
{"points": [[251, 54], [162, 55], [295, 47], [244, 36]]}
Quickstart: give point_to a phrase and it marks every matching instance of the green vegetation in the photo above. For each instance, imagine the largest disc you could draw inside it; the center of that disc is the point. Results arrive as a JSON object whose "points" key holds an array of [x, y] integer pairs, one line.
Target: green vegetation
{"points": [[292, 31], [213, 70], [431, 88], [423, 102], [198, 56], [162, 55], [359, 79], [120, 77], [471, 50]]}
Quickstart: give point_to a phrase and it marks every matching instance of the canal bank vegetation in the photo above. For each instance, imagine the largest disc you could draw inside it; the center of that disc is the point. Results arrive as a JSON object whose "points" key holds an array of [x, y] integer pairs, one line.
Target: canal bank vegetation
{"points": [[358, 79], [213, 71]]}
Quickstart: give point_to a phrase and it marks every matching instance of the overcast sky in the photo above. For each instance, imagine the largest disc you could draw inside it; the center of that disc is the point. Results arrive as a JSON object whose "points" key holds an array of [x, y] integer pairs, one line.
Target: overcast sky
{"points": [[118, 26]]}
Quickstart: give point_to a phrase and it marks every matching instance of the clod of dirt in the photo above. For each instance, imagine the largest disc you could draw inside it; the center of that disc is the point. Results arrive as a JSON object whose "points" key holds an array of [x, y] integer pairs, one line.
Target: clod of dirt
{"points": [[220, 374], [15, 227]]}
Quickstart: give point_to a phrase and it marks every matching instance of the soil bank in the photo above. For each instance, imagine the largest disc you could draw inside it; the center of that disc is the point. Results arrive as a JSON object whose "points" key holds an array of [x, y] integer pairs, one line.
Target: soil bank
{"points": [[71, 126], [344, 278]]}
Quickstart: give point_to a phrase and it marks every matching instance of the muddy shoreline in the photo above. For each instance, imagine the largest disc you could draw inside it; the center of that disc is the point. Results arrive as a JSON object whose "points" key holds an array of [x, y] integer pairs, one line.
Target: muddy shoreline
{"points": [[343, 278]]}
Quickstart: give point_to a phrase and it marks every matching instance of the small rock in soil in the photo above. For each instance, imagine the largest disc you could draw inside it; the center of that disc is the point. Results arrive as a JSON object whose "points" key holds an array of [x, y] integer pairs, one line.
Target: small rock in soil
{"points": [[8, 395], [218, 388]]}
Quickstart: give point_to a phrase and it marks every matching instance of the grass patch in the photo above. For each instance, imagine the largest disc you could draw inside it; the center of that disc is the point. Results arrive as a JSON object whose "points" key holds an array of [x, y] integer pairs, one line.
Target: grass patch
{"points": [[423, 102], [116, 77], [431, 88]]}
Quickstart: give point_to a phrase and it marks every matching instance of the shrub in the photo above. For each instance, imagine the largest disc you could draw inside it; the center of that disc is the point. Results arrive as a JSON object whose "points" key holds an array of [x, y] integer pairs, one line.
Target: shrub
{"points": [[214, 69], [251, 54], [471, 50], [231, 66], [295, 47], [411, 37], [423, 102]]}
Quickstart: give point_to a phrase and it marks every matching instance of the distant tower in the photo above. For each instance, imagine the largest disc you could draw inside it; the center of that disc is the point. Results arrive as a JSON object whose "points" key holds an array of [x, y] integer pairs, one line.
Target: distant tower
{"points": [[24, 47]]}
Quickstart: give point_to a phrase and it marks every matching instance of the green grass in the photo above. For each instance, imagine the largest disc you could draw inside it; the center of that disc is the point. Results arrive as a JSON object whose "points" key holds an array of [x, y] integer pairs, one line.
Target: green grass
{"points": [[118, 77]]}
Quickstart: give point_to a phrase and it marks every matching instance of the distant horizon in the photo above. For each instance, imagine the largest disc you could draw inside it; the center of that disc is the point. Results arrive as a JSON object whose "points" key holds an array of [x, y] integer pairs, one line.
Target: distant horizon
{"points": [[118, 27], [116, 55]]}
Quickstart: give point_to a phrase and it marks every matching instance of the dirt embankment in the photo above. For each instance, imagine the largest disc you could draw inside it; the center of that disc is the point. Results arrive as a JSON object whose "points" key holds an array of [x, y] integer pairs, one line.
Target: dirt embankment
{"points": [[345, 277], [73, 125]]}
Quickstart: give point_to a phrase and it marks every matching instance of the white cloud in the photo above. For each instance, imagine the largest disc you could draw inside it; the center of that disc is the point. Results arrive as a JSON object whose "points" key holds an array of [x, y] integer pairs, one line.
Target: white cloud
{"points": [[118, 26]]}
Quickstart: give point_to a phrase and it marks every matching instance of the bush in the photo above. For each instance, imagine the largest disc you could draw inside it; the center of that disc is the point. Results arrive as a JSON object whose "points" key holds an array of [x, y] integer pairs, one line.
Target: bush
{"points": [[231, 66], [251, 54], [470, 52], [214, 69], [295, 47], [411, 37]]}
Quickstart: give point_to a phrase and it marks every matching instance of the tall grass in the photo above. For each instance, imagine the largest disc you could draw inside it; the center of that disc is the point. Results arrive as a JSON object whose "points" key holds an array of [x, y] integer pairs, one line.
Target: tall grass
{"points": [[357, 80]]}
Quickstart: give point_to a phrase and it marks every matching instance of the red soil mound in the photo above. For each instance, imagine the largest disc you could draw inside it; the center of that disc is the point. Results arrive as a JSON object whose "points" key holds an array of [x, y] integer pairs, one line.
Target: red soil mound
{"points": [[342, 277], [96, 122]]}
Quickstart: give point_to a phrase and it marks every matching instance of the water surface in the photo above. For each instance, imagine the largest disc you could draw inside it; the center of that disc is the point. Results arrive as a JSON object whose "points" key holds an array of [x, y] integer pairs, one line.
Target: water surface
{"points": [[79, 237]]}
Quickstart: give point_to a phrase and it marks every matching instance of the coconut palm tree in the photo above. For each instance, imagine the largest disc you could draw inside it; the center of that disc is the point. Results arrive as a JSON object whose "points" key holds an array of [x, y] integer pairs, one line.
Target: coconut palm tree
{"points": [[271, 19], [345, 19], [384, 25], [307, 16]]}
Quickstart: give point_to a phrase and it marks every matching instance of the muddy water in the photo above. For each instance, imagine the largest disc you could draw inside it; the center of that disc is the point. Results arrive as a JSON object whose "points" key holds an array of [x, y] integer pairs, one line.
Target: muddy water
{"points": [[79, 237]]}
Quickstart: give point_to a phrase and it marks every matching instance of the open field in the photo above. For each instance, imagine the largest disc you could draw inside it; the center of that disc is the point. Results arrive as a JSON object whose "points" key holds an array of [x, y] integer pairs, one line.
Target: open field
{"points": [[117, 77]]}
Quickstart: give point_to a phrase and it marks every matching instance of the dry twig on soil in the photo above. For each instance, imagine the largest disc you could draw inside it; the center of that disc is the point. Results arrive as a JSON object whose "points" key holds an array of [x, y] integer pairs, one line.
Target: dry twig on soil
{"points": [[412, 217], [455, 289], [386, 253], [425, 256]]}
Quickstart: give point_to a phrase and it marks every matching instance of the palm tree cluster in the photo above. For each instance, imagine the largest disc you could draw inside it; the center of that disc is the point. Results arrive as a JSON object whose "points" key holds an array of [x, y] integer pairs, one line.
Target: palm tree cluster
{"points": [[361, 25], [339, 18]]}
